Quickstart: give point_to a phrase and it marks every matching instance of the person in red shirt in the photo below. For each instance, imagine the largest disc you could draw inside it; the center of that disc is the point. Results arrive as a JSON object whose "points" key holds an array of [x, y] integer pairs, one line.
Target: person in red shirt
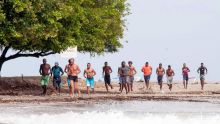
{"points": [[147, 70], [185, 73], [170, 73]]}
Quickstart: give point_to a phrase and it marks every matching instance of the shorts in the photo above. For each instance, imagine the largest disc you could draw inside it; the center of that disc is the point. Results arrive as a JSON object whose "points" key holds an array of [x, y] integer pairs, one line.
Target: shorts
{"points": [[90, 82], [73, 78], [45, 80], [131, 79], [147, 78], [160, 79], [120, 81], [185, 77], [170, 80], [57, 82], [202, 77], [107, 79], [125, 79]]}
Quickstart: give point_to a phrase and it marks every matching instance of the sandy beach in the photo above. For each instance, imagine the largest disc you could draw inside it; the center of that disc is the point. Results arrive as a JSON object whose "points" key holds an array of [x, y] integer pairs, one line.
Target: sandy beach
{"points": [[26, 90]]}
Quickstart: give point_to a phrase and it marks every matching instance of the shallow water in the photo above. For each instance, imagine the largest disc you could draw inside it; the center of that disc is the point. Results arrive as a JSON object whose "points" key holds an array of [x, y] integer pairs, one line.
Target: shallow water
{"points": [[110, 112]]}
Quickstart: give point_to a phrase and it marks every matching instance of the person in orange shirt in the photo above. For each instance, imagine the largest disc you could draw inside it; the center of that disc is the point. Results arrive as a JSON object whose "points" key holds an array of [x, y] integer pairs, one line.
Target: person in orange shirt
{"points": [[160, 72], [147, 70]]}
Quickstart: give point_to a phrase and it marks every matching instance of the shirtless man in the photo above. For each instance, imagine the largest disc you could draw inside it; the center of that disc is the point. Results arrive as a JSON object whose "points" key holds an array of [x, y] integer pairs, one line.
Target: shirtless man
{"points": [[147, 70], [72, 71], [89, 74], [45, 71], [106, 71], [131, 75], [124, 75], [160, 72], [185, 73], [170, 73], [202, 70]]}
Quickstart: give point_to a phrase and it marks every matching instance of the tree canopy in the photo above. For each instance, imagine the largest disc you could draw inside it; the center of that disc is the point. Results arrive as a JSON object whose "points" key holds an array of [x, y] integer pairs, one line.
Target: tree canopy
{"points": [[42, 27]]}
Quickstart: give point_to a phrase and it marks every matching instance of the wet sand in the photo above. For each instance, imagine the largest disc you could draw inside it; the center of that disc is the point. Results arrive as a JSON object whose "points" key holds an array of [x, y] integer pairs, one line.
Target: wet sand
{"points": [[27, 90]]}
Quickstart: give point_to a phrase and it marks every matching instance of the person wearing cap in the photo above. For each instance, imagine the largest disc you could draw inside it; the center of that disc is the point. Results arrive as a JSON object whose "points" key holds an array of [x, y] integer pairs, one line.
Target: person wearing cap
{"points": [[57, 72], [147, 70], [45, 72]]}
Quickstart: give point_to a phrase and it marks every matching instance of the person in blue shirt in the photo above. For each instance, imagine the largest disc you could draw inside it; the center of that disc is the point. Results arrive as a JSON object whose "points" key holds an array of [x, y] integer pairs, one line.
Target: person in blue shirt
{"points": [[57, 72]]}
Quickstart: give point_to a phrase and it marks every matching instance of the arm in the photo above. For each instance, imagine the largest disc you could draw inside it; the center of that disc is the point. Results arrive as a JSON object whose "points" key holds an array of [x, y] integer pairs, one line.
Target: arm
{"points": [[50, 71], [84, 74], [110, 69], [61, 71], [173, 73], [198, 70], [103, 70], [206, 70], [135, 72], [94, 73], [40, 70], [78, 69], [66, 69]]}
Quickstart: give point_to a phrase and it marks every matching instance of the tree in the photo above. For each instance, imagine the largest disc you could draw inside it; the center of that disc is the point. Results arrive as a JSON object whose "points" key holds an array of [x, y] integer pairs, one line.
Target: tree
{"points": [[36, 28]]}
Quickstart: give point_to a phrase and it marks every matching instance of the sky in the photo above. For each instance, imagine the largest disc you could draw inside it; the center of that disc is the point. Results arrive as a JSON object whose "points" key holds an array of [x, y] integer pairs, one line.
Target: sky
{"points": [[171, 32]]}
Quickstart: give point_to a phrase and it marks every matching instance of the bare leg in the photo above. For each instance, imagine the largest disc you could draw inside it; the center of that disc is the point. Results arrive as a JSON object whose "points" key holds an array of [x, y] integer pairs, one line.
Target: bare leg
{"points": [[106, 86], [132, 86], [71, 89], [93, 90], [202, 84], [147, 85], [88, 92], [76, 88], [128, 87], [161, 85], [186, 84]]}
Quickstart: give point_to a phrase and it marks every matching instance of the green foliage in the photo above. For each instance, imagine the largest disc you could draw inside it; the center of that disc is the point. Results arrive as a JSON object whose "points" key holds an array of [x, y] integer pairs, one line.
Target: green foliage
{"points": [[95, 26]]}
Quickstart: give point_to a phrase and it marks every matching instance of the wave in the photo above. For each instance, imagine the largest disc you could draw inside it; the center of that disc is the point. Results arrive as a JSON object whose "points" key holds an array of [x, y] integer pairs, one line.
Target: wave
{"points": [[110, 117]]}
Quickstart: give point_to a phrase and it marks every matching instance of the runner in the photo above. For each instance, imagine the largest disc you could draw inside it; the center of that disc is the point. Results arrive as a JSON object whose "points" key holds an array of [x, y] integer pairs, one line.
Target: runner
{"points": [[57, 72], [119, 77], [106, 73], [131, 75], [89, 74], [124, 74], [202, 70], [160, 72], [185, 72], [73, 71], [170, 73], [147, 70], [45, 71]]}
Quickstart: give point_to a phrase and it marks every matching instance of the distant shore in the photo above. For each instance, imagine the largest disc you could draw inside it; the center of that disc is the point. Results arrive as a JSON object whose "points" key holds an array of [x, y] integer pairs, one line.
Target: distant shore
{"points": [[27, 90]]}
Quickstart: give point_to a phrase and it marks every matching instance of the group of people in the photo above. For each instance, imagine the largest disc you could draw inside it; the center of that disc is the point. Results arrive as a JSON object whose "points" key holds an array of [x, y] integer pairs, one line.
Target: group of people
{"points": [[126, 73]]}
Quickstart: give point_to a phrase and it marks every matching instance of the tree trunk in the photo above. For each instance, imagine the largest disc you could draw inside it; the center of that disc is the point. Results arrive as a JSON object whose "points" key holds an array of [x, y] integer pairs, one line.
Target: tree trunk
{"points": [[1, 64]]}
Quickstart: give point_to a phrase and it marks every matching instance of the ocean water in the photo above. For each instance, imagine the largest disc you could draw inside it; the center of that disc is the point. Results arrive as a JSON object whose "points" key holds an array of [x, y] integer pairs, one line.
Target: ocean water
{"points": [[111, 112]]}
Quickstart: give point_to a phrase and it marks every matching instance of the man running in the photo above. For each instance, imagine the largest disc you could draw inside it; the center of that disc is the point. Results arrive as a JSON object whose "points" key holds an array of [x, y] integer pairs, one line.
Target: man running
{"points": [[107, 70], [45, 71], [170, 73], [202, 70], [185, 73], [147, 70], [131, 75], [160, 72], [57, 72], [124, 73], [73, 71], [89, 74]]}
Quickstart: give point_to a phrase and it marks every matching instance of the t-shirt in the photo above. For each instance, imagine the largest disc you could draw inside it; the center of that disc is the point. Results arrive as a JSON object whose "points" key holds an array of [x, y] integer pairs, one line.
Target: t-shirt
{"points": [[56, 71], [202, 70], [185, 71], [125, 71], [147, 70], [107, 70], [45, 68], [170, 72]]}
